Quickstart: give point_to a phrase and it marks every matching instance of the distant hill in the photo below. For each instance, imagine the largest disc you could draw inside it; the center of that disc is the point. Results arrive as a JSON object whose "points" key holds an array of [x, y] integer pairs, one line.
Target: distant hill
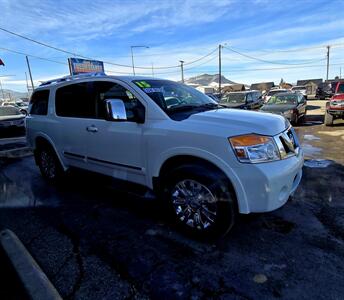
{"points": [[14, 94], [206, 79]]}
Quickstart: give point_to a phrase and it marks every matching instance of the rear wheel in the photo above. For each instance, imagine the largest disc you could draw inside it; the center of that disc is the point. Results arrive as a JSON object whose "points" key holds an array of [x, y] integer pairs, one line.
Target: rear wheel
{"points": [[328, 119], [201, 200], [49, 164]]}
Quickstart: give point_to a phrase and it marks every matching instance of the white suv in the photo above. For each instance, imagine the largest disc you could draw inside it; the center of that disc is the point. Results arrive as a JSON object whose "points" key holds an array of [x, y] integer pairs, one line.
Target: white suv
{"points": [[205, 161]]}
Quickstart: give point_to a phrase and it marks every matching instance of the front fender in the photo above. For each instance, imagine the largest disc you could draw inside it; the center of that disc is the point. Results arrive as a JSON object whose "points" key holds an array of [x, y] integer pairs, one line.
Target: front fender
{"points": [[211, 158]]}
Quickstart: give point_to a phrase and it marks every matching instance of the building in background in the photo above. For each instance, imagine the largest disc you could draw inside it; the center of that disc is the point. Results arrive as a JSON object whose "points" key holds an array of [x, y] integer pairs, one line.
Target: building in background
{"points": [[311, 85], [262, 86]]}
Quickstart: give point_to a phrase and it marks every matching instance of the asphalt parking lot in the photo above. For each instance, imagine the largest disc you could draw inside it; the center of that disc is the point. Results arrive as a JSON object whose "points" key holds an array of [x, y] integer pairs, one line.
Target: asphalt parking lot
{"points": [[97, 241]]}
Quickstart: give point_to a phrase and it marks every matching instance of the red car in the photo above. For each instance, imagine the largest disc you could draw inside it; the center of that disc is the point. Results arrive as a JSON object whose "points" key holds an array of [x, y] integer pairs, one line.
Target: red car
{"points": [[335, 107]]}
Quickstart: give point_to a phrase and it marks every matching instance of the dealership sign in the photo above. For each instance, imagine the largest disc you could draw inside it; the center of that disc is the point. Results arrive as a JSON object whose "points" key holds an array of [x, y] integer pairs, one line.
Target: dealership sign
{"points": [[79, 65]]}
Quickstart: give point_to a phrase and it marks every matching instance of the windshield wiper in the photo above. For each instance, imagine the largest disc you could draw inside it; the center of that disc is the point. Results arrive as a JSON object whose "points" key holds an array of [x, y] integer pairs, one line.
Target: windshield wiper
{"points": [[212, 105], [181, 107]]}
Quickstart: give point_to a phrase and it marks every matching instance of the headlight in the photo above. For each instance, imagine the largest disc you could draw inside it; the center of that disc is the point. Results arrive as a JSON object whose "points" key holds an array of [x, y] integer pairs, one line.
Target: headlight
{"points": [[253, 148]]}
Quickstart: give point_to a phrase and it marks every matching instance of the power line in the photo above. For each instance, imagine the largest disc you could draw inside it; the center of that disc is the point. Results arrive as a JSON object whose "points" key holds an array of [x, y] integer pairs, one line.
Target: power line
{"points": [[271, 69], [46, 59], [33, 56], [190, 68], [82, 56], [267, 61]]}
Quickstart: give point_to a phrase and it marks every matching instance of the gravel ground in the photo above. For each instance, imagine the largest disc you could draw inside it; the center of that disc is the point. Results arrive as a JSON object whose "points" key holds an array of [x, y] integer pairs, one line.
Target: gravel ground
{"points": [[97, 241]]}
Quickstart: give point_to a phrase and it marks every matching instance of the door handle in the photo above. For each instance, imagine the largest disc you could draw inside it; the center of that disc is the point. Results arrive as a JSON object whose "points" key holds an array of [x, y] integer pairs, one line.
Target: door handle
{"points": [[92, 128]]}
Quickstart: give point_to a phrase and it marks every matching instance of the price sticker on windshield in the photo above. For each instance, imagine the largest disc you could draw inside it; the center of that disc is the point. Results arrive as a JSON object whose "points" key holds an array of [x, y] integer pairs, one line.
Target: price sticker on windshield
{"points": [[152, 90]]}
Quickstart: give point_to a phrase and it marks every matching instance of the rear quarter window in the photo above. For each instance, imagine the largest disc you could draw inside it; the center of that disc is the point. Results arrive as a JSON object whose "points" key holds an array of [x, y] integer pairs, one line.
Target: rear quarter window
{"points": [[39, 103]]}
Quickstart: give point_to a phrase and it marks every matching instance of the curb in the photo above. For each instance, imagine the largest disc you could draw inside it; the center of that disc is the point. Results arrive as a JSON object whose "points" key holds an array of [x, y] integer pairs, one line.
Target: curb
{"points": [[35, 283]]}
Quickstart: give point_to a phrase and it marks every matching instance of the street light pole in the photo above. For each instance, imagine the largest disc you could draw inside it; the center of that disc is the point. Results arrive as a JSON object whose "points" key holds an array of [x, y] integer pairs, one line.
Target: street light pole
{"points": [[182, 69], [132, 55], [220, 46], [28, 66]]}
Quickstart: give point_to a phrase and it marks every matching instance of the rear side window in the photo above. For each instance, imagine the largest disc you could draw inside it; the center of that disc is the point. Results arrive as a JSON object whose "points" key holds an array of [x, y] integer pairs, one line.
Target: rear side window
{"points": [[76, 100], [39, 103]]}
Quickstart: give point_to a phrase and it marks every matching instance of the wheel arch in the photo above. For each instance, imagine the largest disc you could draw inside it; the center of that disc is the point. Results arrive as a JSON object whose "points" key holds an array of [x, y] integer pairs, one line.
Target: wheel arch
{"points": [[178, 160], [45, 141]]}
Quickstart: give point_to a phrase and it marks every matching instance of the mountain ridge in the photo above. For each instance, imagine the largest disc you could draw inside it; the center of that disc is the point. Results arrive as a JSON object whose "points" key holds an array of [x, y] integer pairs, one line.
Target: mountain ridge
{"points": [[206, 79]]}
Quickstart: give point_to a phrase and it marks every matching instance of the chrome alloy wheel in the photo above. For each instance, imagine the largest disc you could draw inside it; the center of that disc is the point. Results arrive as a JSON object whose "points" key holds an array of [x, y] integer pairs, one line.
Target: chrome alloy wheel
{"points": [[48, 164], [194, 204]]}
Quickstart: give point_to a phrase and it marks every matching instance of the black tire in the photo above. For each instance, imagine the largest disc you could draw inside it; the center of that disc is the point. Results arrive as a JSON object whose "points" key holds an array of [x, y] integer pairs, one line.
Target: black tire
{"points": [[49, 164], [223, 204], [328, 119], [294, 120]]}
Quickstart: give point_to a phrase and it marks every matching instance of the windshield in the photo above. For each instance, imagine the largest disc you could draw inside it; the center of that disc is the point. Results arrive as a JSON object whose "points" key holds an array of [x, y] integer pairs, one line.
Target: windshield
{"points": [[274, 92], [8, 111], [340, 88], [283, 99], [171, 96], [21, 104], [233, 98]]}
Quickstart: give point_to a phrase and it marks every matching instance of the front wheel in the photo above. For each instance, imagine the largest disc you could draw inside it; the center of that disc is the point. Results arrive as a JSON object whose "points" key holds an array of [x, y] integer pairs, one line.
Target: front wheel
{"points": [[328, 119], [201, 200]]}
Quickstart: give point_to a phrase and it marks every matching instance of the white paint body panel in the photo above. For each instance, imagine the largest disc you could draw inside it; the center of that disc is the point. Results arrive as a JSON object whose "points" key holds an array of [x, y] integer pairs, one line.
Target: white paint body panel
{"points": [[145, 147]]}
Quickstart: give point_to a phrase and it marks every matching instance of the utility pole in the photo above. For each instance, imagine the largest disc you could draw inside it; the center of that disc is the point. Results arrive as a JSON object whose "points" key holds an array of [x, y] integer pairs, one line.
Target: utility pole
{"points": [[328, 61], [340, 73], [182, 69], [220, 46], [2, 91], [28, 65]]}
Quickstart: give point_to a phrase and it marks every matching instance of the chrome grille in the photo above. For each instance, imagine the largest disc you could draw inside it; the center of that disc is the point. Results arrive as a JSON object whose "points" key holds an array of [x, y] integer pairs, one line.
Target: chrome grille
{"points": [[287, 143]]}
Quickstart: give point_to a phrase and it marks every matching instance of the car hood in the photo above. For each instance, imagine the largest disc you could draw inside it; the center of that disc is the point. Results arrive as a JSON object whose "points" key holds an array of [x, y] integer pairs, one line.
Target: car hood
{"points": [[232, 105], [235, 122], [277, 108], [338, 97], [11, 117]]}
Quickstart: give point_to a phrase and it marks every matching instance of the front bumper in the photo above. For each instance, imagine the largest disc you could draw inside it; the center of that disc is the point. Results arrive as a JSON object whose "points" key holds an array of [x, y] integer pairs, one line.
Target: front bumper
{"points": [[336, 112], [268, 186]]}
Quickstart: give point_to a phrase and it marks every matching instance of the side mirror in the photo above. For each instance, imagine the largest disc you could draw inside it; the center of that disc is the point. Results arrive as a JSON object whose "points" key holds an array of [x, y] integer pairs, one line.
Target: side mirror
{"points": [[116, 110]]}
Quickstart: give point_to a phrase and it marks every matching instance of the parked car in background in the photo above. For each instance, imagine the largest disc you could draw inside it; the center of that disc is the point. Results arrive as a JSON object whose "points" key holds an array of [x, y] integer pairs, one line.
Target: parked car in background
{"points": [[335, 107], [213, 96], [292, 106], [272, 92], [205, 162], [242, 100], [12, 122], [22, 106], [323, 92], [300, 89]]}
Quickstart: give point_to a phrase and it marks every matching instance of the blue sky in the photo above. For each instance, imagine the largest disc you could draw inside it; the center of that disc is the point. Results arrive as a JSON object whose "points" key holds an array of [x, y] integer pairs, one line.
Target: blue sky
{"points": [[175, 30]]}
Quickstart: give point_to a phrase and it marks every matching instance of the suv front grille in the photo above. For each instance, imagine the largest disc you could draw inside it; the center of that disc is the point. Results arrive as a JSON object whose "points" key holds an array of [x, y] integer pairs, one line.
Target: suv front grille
{"points": [[287, 143]]}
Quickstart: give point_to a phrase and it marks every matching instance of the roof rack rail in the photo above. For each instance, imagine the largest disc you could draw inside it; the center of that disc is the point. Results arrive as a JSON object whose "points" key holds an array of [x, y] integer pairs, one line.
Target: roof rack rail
{"points": [[72, 77]]}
